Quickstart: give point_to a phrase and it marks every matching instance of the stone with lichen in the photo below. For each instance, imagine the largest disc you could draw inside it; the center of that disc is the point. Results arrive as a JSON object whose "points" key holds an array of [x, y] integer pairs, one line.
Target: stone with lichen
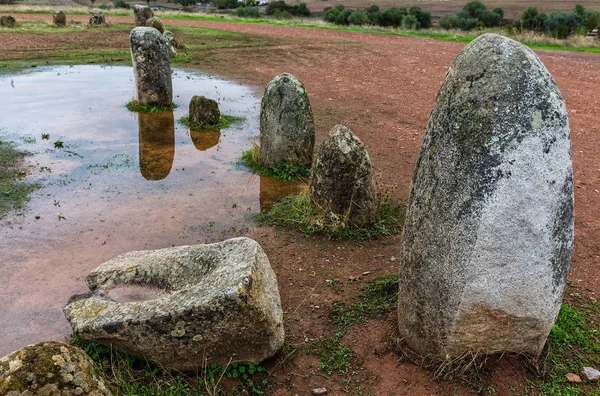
{"points": [[156, 24], [59, 18], [97, 19], [141, 14], [204, 111], [8, 21], [287, 127], [171, 42], [341, 180], [51, 368], [151, 67], [178, 306], [488, 234]]}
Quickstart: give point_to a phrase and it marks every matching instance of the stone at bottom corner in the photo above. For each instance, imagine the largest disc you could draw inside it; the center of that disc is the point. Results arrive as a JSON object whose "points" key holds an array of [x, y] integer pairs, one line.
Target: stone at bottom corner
{"points": [[215, 303], [51, 368]]}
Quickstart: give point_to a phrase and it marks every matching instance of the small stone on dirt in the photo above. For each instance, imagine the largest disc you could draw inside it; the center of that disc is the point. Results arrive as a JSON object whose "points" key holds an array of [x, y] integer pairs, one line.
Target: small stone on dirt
{"points": [[590, 374], [572, 377], [204, 111], [319, 391]]}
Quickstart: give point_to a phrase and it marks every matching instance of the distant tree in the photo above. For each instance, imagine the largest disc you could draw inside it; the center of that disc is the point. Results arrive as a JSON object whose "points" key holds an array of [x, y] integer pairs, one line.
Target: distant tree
{"points": [[186, 3], [372, 9], [410, 22], [392, 17], [358, 18], [472, 9], [423, 17], [531, 19], [450, 21]]}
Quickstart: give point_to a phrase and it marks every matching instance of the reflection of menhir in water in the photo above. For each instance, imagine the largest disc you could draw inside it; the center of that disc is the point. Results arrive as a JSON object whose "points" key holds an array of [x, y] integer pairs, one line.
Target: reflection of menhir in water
{"points": [[271, 190], [205, 139], [157, 144]]}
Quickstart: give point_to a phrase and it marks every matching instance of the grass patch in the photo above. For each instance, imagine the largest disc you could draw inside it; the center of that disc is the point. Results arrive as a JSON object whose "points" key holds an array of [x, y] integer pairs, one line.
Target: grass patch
{"points": [[134, 106], [282, 171], [573, 343], [224, 122], [133, 377], [14, 193], [300, 213]]}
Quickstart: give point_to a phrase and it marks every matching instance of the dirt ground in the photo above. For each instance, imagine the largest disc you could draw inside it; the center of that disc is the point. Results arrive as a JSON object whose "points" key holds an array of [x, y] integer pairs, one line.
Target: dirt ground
{"points": [[383, 89]]}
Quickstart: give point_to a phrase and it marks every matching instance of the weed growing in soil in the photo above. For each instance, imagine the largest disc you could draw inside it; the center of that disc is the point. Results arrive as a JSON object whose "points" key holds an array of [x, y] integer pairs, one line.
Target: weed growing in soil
{"points": [[13, 193], [134, 106], [299, 212], [573, 343], [224, 122], [282, 171], [134, 377]]}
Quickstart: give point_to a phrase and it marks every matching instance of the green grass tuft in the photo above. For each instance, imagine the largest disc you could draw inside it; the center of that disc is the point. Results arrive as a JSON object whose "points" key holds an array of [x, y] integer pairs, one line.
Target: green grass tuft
{"points": [[138, 108], [14, 193], [300, 213], [282, 171], [225, 122]]}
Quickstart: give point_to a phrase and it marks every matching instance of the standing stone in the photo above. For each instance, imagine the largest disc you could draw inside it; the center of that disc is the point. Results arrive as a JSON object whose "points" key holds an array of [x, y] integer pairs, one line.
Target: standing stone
{"points": [[488, 235], [171, 42], [287, 128], [59, 18], [185, 307], [341, 179], [97, 19], [141, 14], [156, 24], [51, 368], [204, 111], [7, 21], [151, 67]]}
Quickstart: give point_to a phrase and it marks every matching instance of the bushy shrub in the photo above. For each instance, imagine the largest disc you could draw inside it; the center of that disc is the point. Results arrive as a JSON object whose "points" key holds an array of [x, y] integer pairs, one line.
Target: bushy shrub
{"points": [[372, 9], [332, 15], [224, 4], [490, 18], [468, 23], [358, 18], [562, 24], [472, 9], [422, 16], [531, 19], [410, 22], [450, 21], [392, 17], [104, 6], [278, 14], [475, 14], [247, 12], [121, 4], [297, 10]]}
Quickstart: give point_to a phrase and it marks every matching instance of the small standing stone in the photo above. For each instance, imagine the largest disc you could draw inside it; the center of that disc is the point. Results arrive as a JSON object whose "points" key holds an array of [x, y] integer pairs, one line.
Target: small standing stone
{"points": [[141, 14], [7, 21], [287, 127], [590, 374], [156, 24], [488, 234], [204, 111], [59, 18], [51, 368], [341, 179], [171, 42], [97, 19], [151, 67]]}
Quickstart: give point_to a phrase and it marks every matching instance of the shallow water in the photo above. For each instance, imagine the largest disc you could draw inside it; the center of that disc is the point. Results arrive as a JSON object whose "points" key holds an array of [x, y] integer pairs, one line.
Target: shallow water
{"points": [[122, 182]]}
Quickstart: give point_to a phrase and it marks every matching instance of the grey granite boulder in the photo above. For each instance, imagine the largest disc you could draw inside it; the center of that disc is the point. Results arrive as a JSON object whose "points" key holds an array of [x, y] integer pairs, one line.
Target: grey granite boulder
{"points": [[156, 24], [171, 42], [204, 111], [287, 127], [151, 67], [488, 234], [51, 368], [177, 307], [141, 14], [341, 179], [97, 19], [7, 21], [59, 18]]}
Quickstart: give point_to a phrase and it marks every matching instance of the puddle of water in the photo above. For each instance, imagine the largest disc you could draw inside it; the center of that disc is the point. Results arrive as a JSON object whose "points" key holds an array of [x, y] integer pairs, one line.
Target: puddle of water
{"points": [[132, 293], [123, 182]]}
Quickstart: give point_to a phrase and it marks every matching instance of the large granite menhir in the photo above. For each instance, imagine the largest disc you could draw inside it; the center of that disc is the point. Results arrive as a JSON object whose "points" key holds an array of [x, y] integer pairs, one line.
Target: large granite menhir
{"points": [[141, 14], [151, 67], [488, 235]]}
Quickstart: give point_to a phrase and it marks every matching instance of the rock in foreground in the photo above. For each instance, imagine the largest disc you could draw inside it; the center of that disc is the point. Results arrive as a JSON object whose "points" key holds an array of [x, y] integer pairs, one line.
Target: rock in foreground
{"points": [[50, 368], [287, 127], [341, 180], [151, 67], [178, 306], [488, 234]]}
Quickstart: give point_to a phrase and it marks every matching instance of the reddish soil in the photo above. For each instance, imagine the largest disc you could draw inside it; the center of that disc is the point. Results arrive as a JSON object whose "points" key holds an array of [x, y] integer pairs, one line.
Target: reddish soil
{"points": [[383, 89]]}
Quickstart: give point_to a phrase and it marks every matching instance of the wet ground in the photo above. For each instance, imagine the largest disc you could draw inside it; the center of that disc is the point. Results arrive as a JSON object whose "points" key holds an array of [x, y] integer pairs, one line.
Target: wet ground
{"points": [[122, 181]]}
